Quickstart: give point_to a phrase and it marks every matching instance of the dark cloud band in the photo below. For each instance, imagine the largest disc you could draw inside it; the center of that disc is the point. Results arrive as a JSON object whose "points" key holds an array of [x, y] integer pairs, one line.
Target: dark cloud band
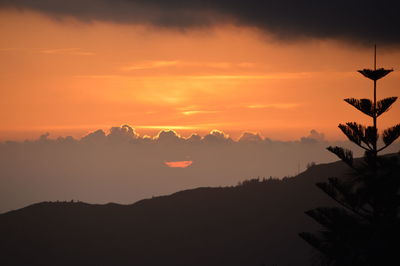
{"points": [[363, 22]]}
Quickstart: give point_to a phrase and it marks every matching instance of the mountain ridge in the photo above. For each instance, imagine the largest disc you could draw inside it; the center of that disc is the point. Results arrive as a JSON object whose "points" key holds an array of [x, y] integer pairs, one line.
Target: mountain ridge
{"points": [[250, 224]]}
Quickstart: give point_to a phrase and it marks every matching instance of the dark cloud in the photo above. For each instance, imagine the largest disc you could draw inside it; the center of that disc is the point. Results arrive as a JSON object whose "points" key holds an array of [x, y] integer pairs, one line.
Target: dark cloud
{"points": [[97, 136], [364, 22], [313, 137], [123, 133], [168, 136], [250, 137], [216, 136], [194, 138]]}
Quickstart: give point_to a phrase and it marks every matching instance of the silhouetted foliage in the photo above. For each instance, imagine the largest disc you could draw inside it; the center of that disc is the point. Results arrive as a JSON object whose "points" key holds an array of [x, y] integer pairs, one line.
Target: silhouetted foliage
{"points": [[258, 181], [344, 154], [311, 164], [365, 227], [390, 135], [366, 105], [375, 74]]}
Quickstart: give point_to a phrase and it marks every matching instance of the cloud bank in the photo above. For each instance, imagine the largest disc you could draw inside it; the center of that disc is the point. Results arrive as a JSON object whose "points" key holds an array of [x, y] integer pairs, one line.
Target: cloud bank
{"points": [[363, 22], [122, 166]]}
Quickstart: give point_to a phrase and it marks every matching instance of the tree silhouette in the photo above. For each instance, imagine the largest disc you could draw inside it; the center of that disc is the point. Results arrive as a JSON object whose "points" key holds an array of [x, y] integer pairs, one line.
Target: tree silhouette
{"points": [[365, 228]]}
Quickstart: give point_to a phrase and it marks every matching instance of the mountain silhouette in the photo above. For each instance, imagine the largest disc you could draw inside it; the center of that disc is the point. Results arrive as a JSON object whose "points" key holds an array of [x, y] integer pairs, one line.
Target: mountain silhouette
{"points": [[254, 223]]}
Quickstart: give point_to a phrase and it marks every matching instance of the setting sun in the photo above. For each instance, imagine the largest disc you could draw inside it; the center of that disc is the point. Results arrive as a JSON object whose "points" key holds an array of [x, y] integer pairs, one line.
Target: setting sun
{"points": [[179, 164]]}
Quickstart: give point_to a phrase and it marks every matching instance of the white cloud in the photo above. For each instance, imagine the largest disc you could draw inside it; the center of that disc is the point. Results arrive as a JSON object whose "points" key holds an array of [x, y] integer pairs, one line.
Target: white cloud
{"points": [[250, 137]]}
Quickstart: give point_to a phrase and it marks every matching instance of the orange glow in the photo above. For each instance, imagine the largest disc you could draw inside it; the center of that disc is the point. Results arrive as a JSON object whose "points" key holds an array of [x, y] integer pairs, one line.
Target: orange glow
{"points": [[178, 164], [69, 78]]}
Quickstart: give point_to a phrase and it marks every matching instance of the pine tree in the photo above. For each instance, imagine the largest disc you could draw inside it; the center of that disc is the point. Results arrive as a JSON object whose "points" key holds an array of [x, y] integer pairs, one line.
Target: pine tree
{"points": [[365, 228]]}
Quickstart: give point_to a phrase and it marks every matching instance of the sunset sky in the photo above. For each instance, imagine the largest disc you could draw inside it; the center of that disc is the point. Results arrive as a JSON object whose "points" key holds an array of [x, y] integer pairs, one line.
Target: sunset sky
{"points": [[71, 71]]}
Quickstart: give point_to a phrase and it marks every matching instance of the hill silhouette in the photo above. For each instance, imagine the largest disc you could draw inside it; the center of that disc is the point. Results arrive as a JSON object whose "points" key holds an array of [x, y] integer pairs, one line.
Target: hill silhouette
{"points": [[254, 223]]}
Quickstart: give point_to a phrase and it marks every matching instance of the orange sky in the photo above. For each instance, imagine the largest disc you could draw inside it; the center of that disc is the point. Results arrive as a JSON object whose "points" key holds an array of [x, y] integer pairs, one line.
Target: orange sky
{"points": [[69, 78]]}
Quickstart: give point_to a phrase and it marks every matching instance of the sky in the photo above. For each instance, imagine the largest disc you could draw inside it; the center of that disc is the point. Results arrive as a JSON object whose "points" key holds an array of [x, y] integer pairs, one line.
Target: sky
{"points": [[279, 69], [120, 100]]}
